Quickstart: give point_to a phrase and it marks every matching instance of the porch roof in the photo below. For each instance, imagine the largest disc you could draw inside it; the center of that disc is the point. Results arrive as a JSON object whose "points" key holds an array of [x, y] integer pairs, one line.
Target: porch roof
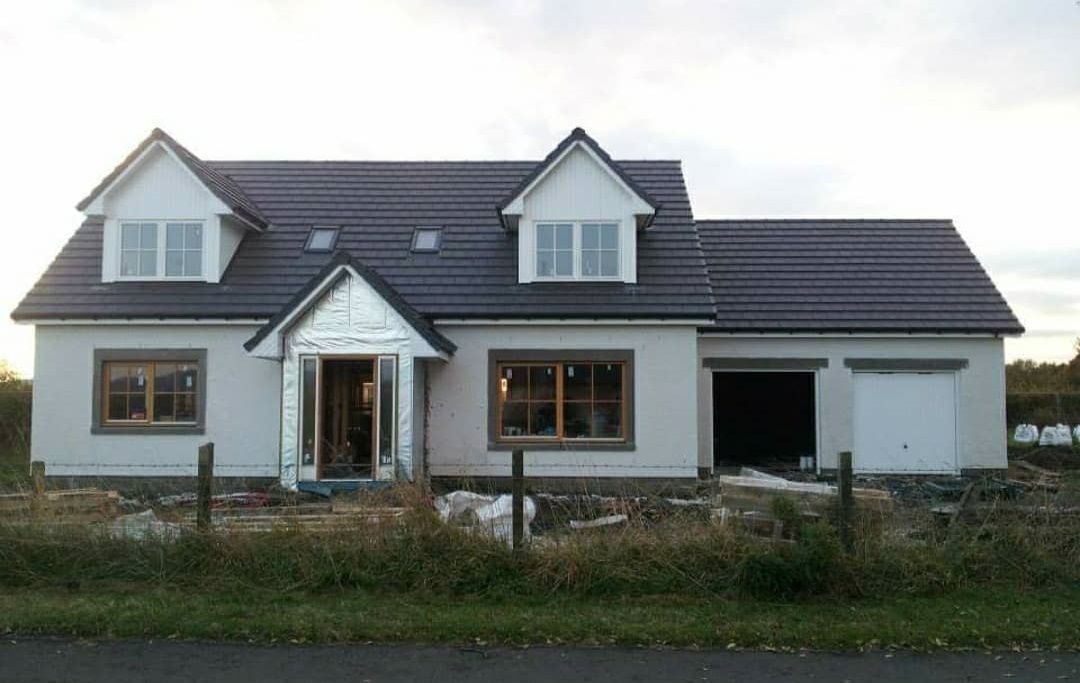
{"points": [[303, 300]]}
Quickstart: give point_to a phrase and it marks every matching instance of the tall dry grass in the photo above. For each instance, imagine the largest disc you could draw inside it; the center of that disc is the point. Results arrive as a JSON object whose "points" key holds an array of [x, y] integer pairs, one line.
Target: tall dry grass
{"points": [[681, 552]]}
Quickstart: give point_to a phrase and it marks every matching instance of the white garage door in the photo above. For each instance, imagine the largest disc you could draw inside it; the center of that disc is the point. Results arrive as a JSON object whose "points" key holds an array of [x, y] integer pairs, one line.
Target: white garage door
{"points": [[905, 422]]}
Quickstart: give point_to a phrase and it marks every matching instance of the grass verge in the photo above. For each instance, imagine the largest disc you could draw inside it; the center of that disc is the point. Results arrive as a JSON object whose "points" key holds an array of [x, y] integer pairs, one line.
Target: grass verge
{"points": [[1047, 619]]}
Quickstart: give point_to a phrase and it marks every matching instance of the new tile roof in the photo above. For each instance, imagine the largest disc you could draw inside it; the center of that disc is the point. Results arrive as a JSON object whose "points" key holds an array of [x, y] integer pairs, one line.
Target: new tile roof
{"points": [[377, 205], [849, 276]]}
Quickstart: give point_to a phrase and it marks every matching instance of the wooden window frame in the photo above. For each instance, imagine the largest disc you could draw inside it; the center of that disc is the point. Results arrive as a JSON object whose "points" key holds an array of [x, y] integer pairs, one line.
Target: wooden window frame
{"points": [[499, 358], [161, 256], [150, 358], [577, 251]]}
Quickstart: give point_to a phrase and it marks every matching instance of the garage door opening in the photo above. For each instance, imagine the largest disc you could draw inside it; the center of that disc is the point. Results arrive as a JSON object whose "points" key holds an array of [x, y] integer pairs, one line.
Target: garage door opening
{"points": [[764, 419]]}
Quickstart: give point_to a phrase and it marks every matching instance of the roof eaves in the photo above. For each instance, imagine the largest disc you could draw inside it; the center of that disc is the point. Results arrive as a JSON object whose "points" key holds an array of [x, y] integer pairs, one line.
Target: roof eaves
{"points": [[856, 331]]}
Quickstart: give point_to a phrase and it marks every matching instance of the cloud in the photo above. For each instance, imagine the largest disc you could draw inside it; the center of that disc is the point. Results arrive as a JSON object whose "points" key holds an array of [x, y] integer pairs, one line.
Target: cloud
{"points": [[1042, 261], [964, 109]]}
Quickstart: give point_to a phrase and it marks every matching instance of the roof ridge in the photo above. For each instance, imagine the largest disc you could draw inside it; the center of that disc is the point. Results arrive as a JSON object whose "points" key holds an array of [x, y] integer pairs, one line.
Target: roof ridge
{"points": [[531, 162]]}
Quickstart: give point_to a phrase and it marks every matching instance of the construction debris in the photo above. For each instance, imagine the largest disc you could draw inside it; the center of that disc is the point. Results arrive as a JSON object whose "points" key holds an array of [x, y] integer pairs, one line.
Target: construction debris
{"points": [[245, 499], [757, 492], [82, 503], [307, 522], [489, 514], [610, 520], [143, 525]]}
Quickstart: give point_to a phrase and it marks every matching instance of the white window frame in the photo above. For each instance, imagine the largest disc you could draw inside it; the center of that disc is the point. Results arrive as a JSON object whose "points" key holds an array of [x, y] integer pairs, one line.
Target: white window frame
{"points": [[162, 237], [576, 274]]}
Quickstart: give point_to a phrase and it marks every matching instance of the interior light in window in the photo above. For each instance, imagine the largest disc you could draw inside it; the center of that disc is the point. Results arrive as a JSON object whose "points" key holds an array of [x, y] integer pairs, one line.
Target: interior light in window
{"points": [[321, 239], [427, 239]]}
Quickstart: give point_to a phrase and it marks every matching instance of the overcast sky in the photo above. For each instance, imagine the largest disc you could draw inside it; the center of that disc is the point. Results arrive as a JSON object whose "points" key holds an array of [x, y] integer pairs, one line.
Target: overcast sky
{"points": [[838, 108]]}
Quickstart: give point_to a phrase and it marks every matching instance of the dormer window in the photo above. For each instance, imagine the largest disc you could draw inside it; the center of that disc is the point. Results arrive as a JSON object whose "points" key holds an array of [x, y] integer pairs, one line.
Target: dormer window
{"points": [[155, 250], [577, 251], [599, 250], [183, 249], [555, 250]]}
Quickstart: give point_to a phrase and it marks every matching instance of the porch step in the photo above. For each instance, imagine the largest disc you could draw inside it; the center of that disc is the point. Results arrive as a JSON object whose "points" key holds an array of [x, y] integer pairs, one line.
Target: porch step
{"points": [[326, 489]]}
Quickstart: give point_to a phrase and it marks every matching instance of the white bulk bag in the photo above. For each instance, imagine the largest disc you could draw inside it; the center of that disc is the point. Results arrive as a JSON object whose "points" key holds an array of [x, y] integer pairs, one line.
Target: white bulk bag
{"points": [[1064, 436], [1026, 433]]}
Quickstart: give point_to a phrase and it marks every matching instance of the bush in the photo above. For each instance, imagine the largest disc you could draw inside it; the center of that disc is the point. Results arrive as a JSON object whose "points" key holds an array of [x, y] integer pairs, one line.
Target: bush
{"points": [[1042, 409]]}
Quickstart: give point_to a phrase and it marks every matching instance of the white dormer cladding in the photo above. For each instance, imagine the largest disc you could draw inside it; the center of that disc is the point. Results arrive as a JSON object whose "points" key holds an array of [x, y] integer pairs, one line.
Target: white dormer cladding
{"points": [[158, 188], [578, 188]]}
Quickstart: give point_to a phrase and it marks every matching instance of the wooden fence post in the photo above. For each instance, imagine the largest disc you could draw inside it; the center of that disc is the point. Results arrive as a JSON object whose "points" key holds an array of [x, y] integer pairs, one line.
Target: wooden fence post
{"points": [[518, 491], [847, 502], [206, 485], [37, 477]]}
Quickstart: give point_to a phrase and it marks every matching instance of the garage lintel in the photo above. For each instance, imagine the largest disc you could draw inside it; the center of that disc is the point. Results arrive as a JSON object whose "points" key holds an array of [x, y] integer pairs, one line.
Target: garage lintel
{"points": [[764, 363], [906, 364]]}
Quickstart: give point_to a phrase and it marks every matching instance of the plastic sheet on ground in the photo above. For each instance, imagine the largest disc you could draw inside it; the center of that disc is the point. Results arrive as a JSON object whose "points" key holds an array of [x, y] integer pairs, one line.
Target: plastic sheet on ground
{"points": [[1026, 433], [490, 514]]}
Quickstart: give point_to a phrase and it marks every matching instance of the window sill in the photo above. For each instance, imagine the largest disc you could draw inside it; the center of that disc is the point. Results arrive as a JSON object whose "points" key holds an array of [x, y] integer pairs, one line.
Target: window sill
{"points": [[149, 430], [563, 446], [163, 278], [541, 280]]}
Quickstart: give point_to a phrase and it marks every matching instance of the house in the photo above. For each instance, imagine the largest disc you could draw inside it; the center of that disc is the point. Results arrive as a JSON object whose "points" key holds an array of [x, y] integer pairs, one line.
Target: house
{"points": [[337, 322]]}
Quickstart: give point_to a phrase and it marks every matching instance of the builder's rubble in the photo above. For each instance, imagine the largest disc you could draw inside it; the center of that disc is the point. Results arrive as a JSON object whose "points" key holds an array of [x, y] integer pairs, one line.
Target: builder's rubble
{"points": [[489, 514], [755, 490], [610, 520], [142, 525], [84, 504], [244, 499]]}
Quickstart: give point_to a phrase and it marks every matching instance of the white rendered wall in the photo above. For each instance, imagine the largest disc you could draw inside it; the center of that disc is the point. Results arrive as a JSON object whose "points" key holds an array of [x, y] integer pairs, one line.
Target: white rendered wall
{"points": [[241, 404], [664, 397], [980, 394], [231, 233], [578, 189]]}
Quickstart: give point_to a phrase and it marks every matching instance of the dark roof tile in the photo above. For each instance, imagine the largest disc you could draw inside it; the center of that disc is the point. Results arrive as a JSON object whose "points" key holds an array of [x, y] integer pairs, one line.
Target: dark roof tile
{"points": [[849, 276], [377, 205]]}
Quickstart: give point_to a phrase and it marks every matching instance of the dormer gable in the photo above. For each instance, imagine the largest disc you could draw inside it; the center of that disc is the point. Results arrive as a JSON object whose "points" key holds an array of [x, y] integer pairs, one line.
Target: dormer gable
{"points": [[168, 215], [577, 215]]}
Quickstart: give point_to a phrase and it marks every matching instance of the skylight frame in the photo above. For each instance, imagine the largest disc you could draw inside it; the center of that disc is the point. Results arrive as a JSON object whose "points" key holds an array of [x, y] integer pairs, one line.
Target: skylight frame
{"points": [[427, 229], [315, 229]]}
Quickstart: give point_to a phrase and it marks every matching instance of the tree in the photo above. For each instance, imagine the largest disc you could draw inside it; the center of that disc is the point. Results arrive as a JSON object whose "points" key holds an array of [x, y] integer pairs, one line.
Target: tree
{"points": [[15, 397], [1072, 369]]}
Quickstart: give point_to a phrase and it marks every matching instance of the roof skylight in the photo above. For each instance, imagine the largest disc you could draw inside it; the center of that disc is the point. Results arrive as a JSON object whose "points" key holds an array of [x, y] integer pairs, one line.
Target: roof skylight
{"points": [[427, 239], [321, 239]]}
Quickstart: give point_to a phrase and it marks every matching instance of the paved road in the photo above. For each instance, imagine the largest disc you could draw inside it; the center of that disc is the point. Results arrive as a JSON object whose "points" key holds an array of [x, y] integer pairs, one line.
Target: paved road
{"points": [[39, 660]]}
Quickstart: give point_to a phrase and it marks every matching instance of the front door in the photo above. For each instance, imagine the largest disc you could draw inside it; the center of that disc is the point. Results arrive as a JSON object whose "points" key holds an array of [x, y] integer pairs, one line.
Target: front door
{"points": [[348, 409]]}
